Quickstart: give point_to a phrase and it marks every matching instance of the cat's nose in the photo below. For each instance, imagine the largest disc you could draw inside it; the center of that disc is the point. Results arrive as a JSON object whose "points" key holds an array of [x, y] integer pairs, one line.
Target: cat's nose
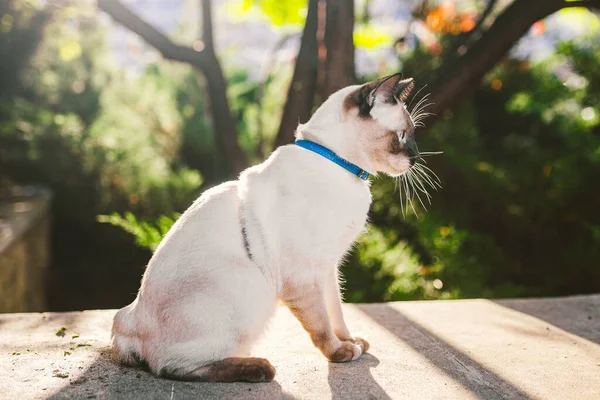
{"points": [[411, 148]]}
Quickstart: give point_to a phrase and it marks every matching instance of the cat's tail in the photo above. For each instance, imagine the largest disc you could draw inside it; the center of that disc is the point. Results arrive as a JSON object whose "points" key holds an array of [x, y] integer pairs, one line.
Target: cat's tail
{"points": [[234, 369]]}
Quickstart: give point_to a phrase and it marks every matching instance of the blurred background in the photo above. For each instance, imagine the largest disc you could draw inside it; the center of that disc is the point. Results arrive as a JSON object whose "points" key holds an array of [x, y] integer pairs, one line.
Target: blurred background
{"points": [[115, 115]]}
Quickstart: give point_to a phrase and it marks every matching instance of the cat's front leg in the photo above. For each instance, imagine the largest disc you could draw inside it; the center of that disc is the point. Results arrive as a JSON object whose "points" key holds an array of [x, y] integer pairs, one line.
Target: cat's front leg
{"points": [[307, 303], [334, 308]]}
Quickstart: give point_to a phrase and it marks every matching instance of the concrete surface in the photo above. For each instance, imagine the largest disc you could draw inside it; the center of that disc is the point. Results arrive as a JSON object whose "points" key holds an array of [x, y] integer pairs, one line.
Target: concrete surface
{"points": [[467, 349]]}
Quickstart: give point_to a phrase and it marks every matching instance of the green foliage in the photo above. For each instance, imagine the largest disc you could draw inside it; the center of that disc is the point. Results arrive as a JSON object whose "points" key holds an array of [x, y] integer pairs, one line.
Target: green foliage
{"points": [[147, 234], [384, 268], [81, 126], [521, 157], [518, 206], [102, 141]]}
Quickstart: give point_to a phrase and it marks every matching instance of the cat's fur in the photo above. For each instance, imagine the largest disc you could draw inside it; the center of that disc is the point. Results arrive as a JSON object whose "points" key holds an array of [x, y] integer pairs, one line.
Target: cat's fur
{"points": [[278, 232]]}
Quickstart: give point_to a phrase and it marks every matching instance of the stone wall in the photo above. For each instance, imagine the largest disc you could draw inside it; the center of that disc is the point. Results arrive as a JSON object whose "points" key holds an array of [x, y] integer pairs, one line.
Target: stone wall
{"points": [[24, 249]]}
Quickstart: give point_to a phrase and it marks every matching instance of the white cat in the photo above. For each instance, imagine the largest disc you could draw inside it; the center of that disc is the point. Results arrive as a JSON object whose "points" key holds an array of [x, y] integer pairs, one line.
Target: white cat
{"points": [[277, 233]]}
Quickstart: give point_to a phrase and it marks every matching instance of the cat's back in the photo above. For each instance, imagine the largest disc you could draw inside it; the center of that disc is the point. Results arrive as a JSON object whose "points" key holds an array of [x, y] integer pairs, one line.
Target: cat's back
{"points": [[208, 229], [214, 210]]}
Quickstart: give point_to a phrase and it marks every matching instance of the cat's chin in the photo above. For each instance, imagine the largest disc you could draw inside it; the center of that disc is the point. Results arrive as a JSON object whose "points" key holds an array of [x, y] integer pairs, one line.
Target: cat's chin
{"points": [[399, 173]]}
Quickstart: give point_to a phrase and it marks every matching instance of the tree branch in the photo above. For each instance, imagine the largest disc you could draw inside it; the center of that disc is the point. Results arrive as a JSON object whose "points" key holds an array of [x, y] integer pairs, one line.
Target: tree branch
{"points": [[464, 37], [225, 130], [207, 29], [582, 3], [151, 35], [461, 75], [486, 12]]}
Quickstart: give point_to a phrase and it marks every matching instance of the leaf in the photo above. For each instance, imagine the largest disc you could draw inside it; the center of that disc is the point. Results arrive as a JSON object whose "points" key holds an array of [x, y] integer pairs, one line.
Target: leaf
{"points": [[147, 234], [579, 17], [369, 36], [279, 12], [70, 51]]}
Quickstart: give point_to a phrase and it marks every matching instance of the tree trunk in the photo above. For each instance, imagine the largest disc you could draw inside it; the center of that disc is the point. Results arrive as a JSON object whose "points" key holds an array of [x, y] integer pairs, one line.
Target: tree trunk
{"points": [[205, 61], [301, 93], [339, 29]]}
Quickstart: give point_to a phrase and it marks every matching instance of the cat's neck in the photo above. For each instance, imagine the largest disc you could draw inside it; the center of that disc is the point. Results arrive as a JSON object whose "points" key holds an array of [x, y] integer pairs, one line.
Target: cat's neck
{"points": [[332, 142]]}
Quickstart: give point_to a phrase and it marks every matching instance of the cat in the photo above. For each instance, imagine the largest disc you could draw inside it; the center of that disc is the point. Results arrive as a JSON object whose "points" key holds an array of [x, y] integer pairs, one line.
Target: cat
{"points": [[278, 233]]}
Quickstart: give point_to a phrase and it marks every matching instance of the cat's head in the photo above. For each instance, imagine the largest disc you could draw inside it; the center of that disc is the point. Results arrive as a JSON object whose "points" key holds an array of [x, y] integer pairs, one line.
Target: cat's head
{"points": [[369, 125]]}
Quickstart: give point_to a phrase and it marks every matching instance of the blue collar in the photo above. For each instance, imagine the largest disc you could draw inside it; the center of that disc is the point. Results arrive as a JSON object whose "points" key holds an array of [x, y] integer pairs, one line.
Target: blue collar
{"points": [[330, 155]]}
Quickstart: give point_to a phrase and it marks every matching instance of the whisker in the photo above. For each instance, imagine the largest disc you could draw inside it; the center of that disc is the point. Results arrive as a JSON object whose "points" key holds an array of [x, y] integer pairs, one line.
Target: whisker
{"points": [[419, 120], [433, 182], [419, 171], [415, 109], [423, 99], [433, 173], [415, 187], [421, 106], [420, 156], [400, 180], [413, 207], [419, 114], [419, 185], [410, 196], [415, 96], [424, 115], [407, 191]]}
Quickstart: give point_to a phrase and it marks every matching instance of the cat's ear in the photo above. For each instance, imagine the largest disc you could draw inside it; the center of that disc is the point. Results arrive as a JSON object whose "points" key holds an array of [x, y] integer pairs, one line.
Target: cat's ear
{"points": [[390, 89], [381, 88]]}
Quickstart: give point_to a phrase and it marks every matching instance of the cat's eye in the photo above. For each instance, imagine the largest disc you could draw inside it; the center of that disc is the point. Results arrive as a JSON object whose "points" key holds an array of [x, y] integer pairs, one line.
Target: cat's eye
{"points": [[401, 135]]}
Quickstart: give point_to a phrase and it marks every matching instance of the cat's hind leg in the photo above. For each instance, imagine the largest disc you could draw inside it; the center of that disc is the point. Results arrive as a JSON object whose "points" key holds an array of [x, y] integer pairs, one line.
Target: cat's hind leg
{"points": [[206, 336]]}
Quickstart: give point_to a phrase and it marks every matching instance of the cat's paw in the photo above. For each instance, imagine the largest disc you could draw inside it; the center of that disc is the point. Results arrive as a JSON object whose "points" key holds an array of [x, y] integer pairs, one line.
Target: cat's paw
{"points": [[362, 343], [348, 351]]}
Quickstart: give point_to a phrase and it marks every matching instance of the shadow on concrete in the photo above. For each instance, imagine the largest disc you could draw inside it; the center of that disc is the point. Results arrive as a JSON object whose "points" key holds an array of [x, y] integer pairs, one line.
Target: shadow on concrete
{"points": [[345, 378], [106, 379], [470, 374], [579, 315]]}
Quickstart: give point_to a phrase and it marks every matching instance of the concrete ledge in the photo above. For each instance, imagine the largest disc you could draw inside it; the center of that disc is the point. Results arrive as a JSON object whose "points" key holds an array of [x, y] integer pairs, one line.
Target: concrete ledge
{"points": [[24, 249], [467, 349]]}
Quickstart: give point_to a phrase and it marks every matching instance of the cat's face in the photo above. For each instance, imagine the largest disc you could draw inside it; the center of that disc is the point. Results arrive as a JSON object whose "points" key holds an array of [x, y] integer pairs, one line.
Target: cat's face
{"points": [[377, 120]]}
